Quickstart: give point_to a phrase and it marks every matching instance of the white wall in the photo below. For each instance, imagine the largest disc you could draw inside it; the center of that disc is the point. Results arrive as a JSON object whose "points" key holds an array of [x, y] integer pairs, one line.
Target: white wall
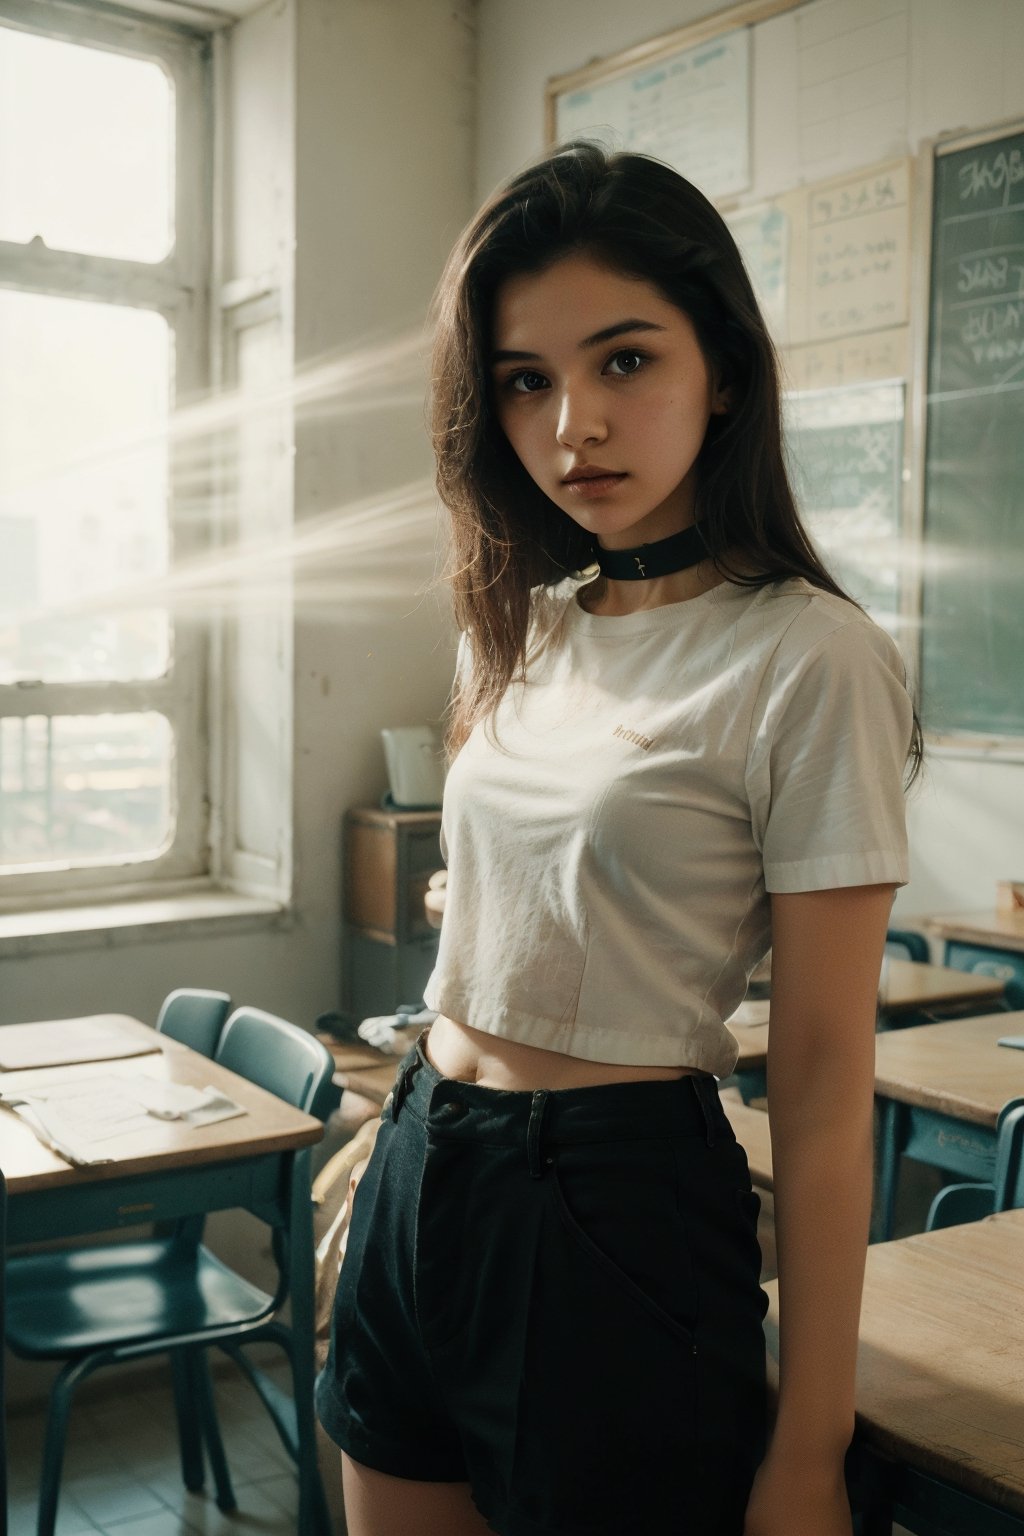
{"points": [[966, 826], [384, 158]]}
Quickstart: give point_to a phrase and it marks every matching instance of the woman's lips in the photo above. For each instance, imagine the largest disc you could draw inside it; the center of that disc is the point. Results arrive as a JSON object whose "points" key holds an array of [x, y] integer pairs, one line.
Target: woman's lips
{"points": [[595, 485]]}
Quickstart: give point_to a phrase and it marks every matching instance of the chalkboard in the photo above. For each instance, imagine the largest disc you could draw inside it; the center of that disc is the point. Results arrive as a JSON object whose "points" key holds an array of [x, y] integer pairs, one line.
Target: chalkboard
{"points": [[844, 449], [972, 643]]}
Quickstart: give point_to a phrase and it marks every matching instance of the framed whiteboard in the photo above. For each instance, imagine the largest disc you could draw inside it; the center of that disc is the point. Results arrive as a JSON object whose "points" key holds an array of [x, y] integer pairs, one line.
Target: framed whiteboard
{"points": [[684, 98], [691, 109]]}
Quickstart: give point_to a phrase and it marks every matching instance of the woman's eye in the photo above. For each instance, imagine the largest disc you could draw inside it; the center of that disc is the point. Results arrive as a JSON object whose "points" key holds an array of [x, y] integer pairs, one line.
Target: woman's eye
{"points": [[626, 362], [527, 382]]}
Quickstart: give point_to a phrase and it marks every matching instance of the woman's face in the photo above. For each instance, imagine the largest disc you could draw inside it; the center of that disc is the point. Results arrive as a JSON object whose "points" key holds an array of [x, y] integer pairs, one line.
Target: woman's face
{"points": [[605, 395]]}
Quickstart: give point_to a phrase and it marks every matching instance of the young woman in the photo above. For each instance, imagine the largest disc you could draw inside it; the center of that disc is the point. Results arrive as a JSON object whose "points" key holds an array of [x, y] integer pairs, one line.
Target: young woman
{"points": [[676, 742]]}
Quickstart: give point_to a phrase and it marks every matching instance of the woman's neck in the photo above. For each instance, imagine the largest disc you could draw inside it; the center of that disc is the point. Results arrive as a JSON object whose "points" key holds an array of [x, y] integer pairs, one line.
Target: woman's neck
{"points": [[604, 595]]}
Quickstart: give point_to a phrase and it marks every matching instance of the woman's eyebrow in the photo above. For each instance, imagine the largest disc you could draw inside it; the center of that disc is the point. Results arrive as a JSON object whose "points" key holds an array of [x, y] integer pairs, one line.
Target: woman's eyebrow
{"points": [[620, 328]]}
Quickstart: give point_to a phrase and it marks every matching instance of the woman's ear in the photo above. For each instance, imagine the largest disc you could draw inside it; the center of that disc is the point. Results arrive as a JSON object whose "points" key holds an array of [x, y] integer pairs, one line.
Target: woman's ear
{"points": [[721, 400]]}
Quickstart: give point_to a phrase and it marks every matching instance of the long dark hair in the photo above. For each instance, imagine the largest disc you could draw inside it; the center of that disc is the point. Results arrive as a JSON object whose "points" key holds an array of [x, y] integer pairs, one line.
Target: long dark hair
{"points": [[641, 218]]}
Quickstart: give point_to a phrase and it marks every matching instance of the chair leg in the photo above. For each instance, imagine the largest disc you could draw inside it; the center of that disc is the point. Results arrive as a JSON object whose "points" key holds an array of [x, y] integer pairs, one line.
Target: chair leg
{"points": [[55, 1442], [891, 1123], [299, 1439], [190, 1440], [200, 1372], [314, 1518]]}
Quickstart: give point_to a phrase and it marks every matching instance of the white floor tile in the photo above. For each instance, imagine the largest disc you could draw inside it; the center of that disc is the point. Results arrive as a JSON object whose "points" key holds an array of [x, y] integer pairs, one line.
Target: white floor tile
{"points": [[109, 1499], [164, 1523], [71, 1521]]}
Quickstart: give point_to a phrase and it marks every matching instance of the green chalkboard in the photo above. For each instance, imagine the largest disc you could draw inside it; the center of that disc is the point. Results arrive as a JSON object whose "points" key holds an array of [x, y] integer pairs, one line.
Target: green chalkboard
{"points": [[844, 449], [972, 641]]}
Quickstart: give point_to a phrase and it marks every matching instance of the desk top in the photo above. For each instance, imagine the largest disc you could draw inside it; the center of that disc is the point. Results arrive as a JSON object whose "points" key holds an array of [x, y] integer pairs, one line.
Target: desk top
{"points": [[270, 1125], [939, 1384], [955, 1067], [363, 1068], [1001, 930], [906, 984]]}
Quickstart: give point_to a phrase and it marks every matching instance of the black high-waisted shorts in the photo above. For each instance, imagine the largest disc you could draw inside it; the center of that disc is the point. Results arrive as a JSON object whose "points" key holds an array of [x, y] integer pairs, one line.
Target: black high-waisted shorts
{"points": [[555, 1297]]}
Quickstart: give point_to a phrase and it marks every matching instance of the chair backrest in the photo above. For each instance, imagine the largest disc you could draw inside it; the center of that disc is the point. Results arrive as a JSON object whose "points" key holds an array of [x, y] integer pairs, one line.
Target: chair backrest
{"points": [[905, 943], [1009, 1178], [959, 1203], [1013, 997], [194, 1017], [279, 1057]]}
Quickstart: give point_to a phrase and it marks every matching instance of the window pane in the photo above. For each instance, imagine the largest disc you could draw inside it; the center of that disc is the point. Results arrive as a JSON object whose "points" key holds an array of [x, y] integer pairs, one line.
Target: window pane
{"points": [[79, 788], [86, 149], [84, 400]]}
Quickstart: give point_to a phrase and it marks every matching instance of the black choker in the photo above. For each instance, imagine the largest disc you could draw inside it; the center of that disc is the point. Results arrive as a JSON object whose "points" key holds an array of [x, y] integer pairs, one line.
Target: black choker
{"points": [[676, 553]]}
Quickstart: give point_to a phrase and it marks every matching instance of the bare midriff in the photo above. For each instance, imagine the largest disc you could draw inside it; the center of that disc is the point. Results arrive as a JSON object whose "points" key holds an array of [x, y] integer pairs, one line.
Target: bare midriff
{"points": [[471, 1056]]}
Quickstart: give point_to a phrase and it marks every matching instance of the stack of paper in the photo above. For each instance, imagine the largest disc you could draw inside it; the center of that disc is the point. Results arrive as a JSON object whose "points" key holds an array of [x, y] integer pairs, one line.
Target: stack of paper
{"points": [[79, 1117]]}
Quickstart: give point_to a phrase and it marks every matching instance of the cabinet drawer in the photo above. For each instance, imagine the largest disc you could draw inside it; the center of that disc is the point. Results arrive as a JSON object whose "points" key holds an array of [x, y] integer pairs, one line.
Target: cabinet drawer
{"points": [[388, 861]]}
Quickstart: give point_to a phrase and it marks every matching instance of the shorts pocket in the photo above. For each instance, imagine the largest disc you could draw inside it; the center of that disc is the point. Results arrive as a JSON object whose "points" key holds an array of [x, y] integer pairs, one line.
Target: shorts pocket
{"points": [[638, 1244]]}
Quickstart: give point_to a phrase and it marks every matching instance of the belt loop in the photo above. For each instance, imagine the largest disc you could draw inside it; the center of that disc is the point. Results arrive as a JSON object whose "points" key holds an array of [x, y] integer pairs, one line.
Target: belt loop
{"points": [[538, 1105], [702, 1088], [409, 1067]]}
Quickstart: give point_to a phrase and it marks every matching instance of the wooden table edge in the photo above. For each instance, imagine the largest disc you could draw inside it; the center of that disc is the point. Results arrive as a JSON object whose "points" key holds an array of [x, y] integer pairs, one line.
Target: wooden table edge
{"points": [[973, 928]]}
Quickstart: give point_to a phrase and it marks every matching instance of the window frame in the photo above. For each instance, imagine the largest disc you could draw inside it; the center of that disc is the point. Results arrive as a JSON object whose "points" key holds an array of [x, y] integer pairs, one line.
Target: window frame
{"points": [[178, 288]]}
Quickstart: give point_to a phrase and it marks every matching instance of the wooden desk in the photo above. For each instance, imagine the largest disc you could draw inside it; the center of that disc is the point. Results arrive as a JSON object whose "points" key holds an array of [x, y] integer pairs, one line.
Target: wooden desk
{"points": [[363, 1068], [940, 1089], [170, 1169], [992, 929], [905, 988], [940, 1392]]}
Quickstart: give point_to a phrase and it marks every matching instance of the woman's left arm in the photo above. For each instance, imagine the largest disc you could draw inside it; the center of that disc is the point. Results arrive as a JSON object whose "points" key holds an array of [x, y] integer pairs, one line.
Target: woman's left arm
{"points": [[827, 949]]}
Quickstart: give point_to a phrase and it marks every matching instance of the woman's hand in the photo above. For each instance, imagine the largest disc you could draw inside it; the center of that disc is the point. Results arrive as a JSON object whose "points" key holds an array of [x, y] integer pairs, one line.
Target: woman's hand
{"points": [[798, 1498]]}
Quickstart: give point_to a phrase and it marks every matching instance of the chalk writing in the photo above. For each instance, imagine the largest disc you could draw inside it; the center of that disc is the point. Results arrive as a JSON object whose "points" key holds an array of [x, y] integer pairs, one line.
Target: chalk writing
{"points": [[998, 172], [974, 471]]}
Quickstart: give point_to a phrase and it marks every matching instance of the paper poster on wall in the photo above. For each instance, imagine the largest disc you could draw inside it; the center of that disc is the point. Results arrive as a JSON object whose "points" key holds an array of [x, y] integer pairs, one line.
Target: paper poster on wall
{"points": [[762, 235], [691, 109], [852, 247], [874, 357], [844, 448]]}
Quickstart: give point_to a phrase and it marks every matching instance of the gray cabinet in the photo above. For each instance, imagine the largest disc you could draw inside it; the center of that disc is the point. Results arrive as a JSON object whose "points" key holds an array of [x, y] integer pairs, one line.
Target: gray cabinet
{"points": [[388, 946]]}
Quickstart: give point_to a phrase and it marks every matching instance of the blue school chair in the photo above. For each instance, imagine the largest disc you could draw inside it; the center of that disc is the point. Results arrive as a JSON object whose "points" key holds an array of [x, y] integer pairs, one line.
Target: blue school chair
{"points": [[959, 1203], [96, 1305], [1013, 996], [905, 944], [194, 1018]]}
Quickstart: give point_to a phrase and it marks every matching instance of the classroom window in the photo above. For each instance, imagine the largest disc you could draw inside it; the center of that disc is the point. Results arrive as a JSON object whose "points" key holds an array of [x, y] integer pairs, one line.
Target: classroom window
{"points": [[99, 189], [104, 233]]}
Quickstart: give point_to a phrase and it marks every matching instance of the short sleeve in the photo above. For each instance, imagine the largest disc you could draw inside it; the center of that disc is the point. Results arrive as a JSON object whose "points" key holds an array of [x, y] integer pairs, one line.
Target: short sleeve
{"points": [[463, 663], [826, 762]]}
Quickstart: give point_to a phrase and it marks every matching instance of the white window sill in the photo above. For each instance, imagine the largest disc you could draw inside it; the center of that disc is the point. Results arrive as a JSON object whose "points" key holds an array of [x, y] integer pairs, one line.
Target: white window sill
{"points": [[142, 920]]}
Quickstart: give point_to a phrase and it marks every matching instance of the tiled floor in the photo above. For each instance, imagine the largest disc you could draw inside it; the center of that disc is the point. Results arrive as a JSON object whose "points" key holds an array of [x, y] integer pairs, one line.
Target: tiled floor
{"points": [[122, 1474]]}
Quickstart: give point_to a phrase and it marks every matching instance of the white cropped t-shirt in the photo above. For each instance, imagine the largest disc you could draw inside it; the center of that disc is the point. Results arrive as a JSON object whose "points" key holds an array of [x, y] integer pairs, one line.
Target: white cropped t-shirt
{"points": [[612, 839]]}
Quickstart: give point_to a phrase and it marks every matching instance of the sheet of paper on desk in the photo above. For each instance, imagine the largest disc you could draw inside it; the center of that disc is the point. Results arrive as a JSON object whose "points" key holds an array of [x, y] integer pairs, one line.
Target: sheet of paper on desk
{"points": [[62, 1042], [80, 1118]]}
